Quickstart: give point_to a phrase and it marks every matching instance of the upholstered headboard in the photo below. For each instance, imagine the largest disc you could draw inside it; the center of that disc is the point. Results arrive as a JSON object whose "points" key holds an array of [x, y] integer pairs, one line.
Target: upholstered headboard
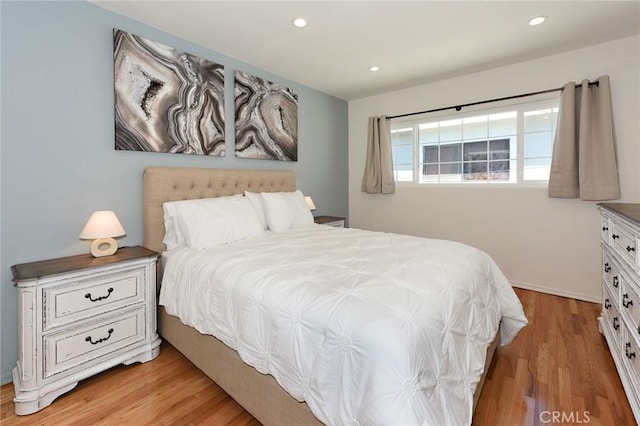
{"points": [[161, 184]]}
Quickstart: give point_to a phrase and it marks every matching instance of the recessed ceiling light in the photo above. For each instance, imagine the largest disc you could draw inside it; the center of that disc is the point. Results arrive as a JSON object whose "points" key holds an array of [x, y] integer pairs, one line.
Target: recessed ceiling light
{"points": [[300, 22], [374, 68], [537, 20]]}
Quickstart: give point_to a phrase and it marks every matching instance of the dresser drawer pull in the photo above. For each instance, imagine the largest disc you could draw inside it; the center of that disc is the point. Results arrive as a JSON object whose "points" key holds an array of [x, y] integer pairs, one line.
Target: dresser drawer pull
{"points": [[627, 353], [607, 268], [638, 328], [99, 298], [104, 339], [626, 303], [630, 249], [615, 281], [604, 228], [615, 236], [615, 323], [607, 305]]}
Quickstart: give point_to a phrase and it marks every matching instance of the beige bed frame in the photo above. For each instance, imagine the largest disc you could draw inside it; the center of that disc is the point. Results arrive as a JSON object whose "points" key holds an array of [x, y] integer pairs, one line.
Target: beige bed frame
{"points": [[258, 393]]}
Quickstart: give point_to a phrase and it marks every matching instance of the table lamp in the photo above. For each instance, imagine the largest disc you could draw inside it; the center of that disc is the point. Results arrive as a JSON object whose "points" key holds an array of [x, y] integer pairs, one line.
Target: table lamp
{"points": [[102, 227], [309, 201]]}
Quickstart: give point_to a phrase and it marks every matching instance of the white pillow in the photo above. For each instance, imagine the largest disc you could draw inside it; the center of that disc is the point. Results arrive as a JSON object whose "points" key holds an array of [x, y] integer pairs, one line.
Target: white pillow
{"points": [[256, 201], [286, 210], [173, 237], [218, 221]]}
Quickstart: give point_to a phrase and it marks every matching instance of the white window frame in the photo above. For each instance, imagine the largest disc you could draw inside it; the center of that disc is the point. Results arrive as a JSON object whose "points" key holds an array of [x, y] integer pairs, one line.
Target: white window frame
{"points": [[539, 102]]}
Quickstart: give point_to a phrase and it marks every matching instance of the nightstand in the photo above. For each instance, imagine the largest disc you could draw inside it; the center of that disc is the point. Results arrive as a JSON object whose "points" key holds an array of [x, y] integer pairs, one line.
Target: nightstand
{"points": [[335, 221], [78, 316]]}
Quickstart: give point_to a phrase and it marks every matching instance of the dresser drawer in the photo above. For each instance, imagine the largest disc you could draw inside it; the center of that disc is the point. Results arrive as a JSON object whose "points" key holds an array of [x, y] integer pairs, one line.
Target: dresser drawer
{"points": [[623, 241], [87, 298], [631, 359], [605, 226], [630, 306], [612, 317], [72, 348], [611, 274]]}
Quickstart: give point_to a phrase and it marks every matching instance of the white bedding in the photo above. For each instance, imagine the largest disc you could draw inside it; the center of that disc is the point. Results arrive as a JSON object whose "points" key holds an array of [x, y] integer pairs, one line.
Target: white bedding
{"points": [[367, 328]]}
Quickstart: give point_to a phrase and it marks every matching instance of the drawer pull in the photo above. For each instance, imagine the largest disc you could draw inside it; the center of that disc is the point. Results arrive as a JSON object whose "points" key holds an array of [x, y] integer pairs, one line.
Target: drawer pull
{"points": [[607, 268], [615, 236], [638, 328], [626, 303], [615, 281], [615, 324], [604, 228], [607, 305], [627, 353], [104, 339], [630, 249], [99, 298]]}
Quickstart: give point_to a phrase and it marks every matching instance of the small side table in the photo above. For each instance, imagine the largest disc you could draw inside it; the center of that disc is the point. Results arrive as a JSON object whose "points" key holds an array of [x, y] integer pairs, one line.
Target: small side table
{"points": [[335, 221], [78, 316]]}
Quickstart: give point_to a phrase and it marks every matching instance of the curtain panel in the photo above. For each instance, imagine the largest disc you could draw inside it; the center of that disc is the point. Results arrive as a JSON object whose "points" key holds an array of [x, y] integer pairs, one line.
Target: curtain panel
{"points": [[584, 163], [378, 170]]}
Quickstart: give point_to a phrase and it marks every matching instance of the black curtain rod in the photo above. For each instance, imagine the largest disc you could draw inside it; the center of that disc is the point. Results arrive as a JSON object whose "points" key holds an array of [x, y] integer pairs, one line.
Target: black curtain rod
{"points": [[459, 107]]}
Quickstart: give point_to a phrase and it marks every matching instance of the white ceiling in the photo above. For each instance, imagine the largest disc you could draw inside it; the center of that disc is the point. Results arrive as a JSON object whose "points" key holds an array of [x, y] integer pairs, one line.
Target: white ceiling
{"points": [[413, 42]]}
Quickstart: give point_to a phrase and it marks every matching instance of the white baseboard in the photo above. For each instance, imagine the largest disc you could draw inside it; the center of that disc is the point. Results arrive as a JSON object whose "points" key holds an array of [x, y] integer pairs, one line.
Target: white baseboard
{"points": [[557, 292]]}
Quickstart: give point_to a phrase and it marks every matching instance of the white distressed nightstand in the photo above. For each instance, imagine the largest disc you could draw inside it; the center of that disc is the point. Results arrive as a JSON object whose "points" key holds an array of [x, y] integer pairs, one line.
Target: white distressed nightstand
{"points": [[78, 316], [335, 221]]}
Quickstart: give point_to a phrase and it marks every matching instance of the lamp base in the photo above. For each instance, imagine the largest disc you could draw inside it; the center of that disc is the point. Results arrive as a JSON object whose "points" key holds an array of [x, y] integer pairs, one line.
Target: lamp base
{"points": [[104, 247]]}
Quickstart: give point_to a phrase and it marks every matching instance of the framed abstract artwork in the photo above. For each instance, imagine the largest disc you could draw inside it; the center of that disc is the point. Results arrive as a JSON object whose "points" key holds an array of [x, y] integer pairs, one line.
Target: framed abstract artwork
{"points": [[166, 100], [266, 119]]}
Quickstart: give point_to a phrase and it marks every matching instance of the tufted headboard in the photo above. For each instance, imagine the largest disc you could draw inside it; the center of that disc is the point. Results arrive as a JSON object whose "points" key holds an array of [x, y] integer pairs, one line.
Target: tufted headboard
{"points": [[162, 184]]}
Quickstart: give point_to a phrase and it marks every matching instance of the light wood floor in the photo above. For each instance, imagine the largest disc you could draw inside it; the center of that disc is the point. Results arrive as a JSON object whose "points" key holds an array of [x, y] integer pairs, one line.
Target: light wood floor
{"points": [[559, 362]]}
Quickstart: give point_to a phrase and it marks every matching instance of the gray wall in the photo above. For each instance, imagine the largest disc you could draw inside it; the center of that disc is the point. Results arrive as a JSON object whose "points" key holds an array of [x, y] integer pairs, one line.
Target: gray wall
{"points": [[58, 162]]}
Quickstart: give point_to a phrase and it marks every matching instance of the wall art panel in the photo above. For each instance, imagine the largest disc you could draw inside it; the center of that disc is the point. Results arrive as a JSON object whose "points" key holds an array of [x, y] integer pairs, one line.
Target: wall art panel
{"points": [[266, 119], [166, 100]]}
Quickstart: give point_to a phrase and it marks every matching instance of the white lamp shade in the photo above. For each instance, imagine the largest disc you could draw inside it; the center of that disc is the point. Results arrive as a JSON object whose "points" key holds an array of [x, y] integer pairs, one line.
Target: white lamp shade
{"points": [[310, 203], [102, 224]]}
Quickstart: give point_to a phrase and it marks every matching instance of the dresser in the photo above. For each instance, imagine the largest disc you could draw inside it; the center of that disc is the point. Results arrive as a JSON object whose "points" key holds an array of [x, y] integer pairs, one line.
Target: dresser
{"points": [[78, 316], [620, 318]]}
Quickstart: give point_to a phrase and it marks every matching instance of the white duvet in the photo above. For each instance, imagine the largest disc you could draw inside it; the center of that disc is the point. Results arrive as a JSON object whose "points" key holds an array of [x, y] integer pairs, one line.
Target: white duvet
{"points": [[367, 328]]}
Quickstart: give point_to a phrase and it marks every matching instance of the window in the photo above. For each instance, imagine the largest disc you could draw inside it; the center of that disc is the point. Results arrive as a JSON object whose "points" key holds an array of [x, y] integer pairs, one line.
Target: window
{"points": [[506, 145]]}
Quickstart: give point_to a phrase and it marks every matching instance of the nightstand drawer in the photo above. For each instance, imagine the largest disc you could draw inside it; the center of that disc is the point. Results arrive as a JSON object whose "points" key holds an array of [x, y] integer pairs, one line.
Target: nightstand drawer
{"points": [[90, 297], [72, 348]]}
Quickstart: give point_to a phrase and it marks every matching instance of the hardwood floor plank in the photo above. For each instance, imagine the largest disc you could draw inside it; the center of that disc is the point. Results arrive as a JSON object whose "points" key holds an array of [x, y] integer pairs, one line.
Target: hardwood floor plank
{"points": [[558, 362]]}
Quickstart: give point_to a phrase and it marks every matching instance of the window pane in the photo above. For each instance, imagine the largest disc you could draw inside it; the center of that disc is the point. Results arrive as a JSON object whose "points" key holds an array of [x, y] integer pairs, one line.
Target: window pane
{"points": [[430, 169], [451, 152], [538, 144], [430, 154], [450, 130], [404, 172], [451, 173], [499, 170], [450, 168], [475, 127], [404, 154], [503, 124], [537, 169], [475, 151], [475, 171], [535, 121], [428, 133], [402, 136], [499, 149]]}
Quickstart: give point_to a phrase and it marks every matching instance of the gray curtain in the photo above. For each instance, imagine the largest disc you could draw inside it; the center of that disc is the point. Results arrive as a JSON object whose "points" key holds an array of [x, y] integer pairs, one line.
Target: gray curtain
{"points": [[584, 154], [378, 170]]}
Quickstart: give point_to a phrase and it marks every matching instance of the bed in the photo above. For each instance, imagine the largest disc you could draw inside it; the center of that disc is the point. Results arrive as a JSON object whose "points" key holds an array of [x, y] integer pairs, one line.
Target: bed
{"points": [[260, 394]]}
